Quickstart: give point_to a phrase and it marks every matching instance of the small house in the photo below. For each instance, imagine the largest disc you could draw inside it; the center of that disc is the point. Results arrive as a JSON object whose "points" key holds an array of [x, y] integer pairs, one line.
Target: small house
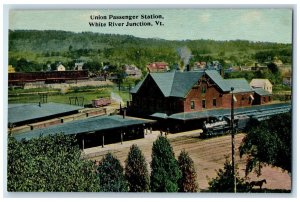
{"points": [[262, 83], [132, 71], [78, 66], [60, 67]]}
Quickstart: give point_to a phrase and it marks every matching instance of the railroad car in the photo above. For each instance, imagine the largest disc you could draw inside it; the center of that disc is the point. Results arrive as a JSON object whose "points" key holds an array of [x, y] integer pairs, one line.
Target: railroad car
{"points": [[20, 78], [101, 102]]}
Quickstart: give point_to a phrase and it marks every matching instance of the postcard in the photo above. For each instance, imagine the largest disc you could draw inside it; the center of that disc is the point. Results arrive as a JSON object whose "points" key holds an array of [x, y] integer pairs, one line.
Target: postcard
{"points": [[111, 99]]}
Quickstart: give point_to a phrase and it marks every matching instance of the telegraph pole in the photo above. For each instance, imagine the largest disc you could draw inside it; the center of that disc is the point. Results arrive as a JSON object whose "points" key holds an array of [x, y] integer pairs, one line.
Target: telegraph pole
{"points": [[232, 139]]}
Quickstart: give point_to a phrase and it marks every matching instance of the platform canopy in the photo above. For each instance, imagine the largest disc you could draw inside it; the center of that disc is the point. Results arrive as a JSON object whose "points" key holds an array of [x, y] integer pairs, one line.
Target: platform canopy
{"points": [[89, 125], [26, 112], [258, 111]]}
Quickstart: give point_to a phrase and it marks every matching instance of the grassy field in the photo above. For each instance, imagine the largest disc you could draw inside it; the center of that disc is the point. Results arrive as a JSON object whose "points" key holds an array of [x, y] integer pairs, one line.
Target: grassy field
{"points": [[55, 95]]}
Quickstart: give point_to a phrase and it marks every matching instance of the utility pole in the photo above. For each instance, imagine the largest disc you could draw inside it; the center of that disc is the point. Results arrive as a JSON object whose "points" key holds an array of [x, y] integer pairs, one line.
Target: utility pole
{"points": [[232, 139]]}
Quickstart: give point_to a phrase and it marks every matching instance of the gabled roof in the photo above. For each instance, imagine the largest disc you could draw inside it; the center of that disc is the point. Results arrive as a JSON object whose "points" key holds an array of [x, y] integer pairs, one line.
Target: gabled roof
{"points": [[172, 84], [138, 85], [260, 82], [183, 83], [178, 84], [164, 81], [240, 85], [261, 91], [217, 78]]}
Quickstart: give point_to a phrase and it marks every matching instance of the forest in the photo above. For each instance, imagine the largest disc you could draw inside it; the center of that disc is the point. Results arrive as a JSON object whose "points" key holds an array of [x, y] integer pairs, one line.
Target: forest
{"points": [[32, 50]]}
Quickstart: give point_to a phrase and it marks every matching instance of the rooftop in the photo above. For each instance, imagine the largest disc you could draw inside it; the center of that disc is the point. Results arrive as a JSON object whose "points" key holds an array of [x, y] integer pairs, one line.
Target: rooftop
{"points": [[260, 82], [26, 112], [261, 91], [93, 124], [253, 111], [178, 84]]}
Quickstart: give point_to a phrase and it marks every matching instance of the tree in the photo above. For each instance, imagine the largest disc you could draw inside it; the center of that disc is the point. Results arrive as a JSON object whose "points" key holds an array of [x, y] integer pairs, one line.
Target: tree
{"points": [[165, 171], [269, 142], [188, 181], [136, 171], [224, 182], [111, 176], [49, 164]]}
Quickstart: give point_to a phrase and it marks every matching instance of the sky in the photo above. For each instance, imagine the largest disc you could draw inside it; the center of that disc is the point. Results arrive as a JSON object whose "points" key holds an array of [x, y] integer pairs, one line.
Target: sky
{"points": [[265, 24]]}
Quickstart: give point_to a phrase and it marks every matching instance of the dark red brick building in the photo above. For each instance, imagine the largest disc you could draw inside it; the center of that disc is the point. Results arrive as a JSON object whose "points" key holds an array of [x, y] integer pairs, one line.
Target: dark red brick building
{"points": [[262, 96], [176, 92]]}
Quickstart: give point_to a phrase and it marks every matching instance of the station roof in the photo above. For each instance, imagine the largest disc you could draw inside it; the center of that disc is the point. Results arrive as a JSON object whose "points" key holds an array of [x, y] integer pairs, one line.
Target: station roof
{"points": [[173, 84], [99, 123], [217, 78], [240, 85], [26, 112], [253, 111], [261, 92], [178, 84]]}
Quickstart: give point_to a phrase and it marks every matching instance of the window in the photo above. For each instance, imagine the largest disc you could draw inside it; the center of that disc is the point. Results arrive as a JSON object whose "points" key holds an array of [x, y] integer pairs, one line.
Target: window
{"points": [[214, 102], [203, 89], [192, 104], [203, 104]]}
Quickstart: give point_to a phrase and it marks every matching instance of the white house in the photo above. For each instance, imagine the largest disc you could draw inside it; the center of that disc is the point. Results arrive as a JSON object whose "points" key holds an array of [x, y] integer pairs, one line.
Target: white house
{"points": [[60, 68], [78, 66], [262, 83]]}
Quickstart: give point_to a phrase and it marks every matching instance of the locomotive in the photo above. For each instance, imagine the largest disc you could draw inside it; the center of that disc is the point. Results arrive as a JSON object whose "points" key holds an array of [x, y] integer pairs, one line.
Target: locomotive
{"points": [[222, 125]]}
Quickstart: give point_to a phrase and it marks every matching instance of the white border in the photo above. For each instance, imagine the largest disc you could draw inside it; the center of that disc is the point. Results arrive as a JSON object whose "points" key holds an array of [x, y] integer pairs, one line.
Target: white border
{"points": [[35, 4]]}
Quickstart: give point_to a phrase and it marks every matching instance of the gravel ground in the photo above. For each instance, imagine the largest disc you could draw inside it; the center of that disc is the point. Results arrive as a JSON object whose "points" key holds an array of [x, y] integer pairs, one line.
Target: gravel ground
{"points": [[208, 156]]}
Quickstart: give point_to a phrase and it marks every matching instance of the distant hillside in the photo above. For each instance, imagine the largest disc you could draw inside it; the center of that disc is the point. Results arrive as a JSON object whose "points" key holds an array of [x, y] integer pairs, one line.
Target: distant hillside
{"points": [[43, 47]]}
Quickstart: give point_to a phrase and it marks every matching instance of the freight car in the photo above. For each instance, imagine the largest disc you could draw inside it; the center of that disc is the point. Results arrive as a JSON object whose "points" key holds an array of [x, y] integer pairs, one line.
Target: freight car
{"points": [[20, 78], [222, 125], [101, 102]]}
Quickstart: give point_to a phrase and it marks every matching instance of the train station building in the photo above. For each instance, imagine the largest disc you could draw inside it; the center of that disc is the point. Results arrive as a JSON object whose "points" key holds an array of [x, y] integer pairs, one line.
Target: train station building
{"points": [[184, 100]]}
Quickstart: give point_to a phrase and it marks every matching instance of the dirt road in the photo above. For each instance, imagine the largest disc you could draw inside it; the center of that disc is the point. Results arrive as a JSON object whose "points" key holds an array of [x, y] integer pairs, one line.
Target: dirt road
{"points": [[208, 156]]}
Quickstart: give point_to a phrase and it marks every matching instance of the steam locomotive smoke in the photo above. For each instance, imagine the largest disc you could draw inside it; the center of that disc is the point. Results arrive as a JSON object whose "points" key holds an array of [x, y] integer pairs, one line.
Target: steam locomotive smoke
{"points": [[185, 55]]}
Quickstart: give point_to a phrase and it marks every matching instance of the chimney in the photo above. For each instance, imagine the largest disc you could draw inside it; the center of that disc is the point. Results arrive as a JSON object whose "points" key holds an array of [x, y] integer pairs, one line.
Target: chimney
{"points": [[188, 67], [124, 112]]}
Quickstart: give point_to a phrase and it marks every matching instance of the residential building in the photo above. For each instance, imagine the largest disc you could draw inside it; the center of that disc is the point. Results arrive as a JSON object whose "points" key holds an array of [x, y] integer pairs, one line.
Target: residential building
{"points": [[60, 67], [158, 67], [78, 66], [262, 83], [132, 71]]}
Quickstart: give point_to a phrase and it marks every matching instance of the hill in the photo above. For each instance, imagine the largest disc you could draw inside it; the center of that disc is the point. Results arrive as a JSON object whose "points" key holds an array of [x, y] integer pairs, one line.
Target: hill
{"points": [[35, 49]]}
